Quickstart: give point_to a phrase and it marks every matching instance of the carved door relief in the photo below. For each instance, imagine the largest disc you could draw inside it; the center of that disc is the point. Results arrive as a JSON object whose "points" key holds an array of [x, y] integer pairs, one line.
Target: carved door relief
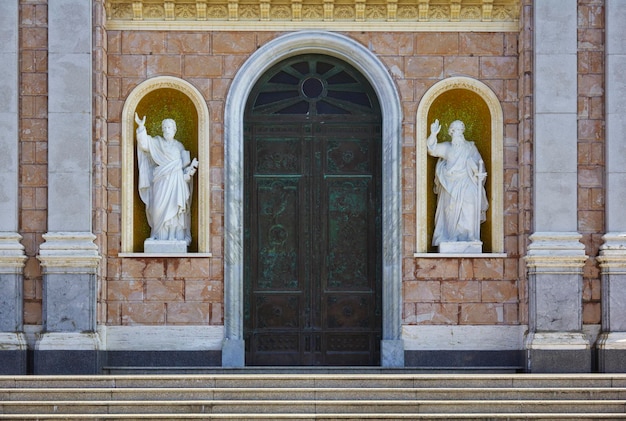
{"points": [[312, 253]]}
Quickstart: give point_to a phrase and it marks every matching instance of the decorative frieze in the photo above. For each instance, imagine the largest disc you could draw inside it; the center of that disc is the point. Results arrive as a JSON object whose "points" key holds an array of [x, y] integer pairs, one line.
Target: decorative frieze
{"points": [[487, 14]]}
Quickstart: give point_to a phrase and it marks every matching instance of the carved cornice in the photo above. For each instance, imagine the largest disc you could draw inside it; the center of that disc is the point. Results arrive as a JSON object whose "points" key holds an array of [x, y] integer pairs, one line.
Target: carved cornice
{"points": [[376, 15]]}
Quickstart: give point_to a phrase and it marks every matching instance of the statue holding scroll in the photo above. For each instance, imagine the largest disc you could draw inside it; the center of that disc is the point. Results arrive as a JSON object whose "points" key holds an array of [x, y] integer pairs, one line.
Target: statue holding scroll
{"points": [[165, 182], [460, 187]]}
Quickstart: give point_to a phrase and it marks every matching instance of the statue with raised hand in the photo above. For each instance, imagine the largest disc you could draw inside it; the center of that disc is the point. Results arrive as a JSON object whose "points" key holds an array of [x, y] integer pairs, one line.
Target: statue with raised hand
{"points": [[459, 184], [165, 182]]}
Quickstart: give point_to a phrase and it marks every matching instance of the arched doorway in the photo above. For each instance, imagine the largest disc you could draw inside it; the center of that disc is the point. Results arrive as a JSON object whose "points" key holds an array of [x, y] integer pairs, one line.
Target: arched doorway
{"points": [[312, 216], [351, 51]]}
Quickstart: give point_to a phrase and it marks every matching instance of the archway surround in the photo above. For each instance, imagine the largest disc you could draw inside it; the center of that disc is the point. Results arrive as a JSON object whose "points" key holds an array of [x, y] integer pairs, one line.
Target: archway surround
{"points": [[319, 42]]}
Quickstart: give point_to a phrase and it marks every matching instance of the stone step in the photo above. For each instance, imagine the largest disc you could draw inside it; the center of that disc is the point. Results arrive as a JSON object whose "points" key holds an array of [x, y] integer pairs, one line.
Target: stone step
{"points": [[352, 417], [313, 406], [308, 393], [311, 395], [320, 381]]}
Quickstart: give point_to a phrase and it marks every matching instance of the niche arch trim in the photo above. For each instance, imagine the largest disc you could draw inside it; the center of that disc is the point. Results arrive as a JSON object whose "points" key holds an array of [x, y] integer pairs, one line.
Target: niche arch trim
{"points": [[495, 169], [129, 157]]}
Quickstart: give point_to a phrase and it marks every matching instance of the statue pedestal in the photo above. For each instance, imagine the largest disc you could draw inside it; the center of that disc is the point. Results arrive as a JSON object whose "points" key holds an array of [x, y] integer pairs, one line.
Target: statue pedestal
{"points": [[164, 246], [469, 247]]}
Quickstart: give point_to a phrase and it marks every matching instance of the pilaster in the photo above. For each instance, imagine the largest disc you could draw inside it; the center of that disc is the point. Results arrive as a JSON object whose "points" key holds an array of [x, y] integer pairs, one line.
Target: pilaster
{"points": [[12, 257], [12, 341], [69, 257], [555, 116], [69, 343], [555, 257], [556, 342], [69, 116], [612, 341]]}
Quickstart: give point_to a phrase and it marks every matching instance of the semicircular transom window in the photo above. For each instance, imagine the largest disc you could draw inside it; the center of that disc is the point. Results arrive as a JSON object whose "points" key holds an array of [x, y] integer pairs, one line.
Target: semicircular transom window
{"points": [[313, 85]]}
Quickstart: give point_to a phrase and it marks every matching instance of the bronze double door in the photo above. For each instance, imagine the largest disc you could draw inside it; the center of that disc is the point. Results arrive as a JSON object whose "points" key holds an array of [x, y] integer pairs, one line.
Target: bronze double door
{"points": [[313, 236]]}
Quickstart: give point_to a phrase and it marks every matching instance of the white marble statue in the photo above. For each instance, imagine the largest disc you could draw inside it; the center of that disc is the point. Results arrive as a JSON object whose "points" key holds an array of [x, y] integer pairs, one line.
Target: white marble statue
{"points": [[165, 182], [459, 185]]}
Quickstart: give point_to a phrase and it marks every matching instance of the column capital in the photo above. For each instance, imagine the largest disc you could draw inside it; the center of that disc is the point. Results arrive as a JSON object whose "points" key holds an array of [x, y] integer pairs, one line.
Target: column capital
{"points": [[70, 252], [612, 256], [12, 256], [556, 251]]}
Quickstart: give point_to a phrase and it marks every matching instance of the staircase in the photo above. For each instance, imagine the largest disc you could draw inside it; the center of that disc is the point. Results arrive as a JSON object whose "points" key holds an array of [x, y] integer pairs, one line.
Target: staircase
{"points": [[312, 395]]}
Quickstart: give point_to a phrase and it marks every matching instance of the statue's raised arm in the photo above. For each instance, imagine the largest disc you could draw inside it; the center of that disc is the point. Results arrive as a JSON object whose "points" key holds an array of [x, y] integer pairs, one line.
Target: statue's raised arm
{"points": [[435, 127], [431, 142], [141, 132], [140, 122]]}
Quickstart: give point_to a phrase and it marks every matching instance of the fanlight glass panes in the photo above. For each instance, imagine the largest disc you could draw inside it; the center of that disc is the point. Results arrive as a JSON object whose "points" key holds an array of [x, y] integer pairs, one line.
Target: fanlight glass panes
{"points": [[312, 85]]}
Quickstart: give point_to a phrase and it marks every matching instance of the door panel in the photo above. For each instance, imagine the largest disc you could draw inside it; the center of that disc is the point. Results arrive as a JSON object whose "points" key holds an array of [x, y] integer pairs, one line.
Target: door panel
{"points": [[312, 252], [350, 276], [276, 276]]}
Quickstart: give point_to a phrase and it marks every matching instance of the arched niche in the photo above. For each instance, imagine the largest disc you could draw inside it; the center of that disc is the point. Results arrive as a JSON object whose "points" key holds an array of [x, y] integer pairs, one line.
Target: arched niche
{"points": [[159, 98], [473, 102]]}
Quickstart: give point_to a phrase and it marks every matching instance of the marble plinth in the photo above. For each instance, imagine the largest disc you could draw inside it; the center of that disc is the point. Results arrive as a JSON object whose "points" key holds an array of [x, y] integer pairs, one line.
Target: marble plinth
{"points": [[164, 246], [612, 352], [59, 353], [13, 353], [461, 247]]}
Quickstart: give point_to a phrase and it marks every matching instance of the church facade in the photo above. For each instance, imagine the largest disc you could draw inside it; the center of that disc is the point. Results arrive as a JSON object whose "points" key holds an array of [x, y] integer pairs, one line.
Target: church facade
{"points": [[313, 206]]}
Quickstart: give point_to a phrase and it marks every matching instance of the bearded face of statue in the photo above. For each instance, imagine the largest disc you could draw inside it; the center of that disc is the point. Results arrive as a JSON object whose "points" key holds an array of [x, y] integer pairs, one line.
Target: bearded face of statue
{"points": [[456, 130], [169, 129]]}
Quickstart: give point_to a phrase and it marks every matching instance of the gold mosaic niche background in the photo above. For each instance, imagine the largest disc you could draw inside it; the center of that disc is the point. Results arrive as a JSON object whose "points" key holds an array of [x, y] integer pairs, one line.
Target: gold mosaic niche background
{"points": [[472, 110], [156, 106]]}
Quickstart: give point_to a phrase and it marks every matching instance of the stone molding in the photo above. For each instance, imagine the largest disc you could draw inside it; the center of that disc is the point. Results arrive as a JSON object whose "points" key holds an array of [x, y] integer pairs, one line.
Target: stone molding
{"points": [[612, 340], [12, 341], [488, 15], [463, 337], [557, 341], [495, 177], [161, 338], [612, 256], [73, 252], [12, 256], [556, 252], [68, 341]]}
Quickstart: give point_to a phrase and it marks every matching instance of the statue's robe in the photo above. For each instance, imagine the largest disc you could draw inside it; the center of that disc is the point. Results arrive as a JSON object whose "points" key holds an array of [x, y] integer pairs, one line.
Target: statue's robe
{"points": [[162, 186], [461, 198]]}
